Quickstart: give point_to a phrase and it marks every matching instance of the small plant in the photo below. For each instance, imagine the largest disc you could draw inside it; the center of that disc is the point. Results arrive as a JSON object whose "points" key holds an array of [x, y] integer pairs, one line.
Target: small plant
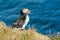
{"points": [[55, 37]]}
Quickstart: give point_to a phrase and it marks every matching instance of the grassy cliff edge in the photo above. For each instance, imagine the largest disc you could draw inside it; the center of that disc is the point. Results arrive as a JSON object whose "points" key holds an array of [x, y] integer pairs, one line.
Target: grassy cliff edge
{"points": [[16, 34]]}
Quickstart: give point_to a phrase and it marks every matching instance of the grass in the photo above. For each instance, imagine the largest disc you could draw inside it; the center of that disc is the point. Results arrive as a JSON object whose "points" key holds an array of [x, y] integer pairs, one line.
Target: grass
{"points": [[55, 37], [16, 34]]}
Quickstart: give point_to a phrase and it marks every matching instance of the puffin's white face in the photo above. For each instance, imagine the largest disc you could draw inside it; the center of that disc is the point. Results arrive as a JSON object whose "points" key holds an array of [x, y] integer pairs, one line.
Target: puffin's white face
{"points": [[26, 11]]}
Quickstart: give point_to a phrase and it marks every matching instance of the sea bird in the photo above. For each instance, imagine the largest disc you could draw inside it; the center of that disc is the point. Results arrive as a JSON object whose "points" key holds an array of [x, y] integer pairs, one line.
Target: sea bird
{"points": [[23, 20]]}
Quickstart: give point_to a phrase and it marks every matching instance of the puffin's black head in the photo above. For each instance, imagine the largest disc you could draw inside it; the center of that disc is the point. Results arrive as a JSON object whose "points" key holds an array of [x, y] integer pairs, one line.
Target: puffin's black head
{"points": [[25, 11]]}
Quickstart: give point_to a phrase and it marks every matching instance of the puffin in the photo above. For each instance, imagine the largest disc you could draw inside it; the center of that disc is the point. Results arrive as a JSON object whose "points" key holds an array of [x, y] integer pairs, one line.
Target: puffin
{"points": [[23, 20]]}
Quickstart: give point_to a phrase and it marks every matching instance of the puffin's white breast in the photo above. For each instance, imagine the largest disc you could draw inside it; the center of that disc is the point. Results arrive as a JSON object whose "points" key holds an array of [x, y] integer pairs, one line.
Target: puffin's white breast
{"points": [[26, 21]]}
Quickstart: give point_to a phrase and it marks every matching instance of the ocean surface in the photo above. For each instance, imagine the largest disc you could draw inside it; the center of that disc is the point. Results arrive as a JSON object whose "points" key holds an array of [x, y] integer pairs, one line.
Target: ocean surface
{"points": [[44, 16]]}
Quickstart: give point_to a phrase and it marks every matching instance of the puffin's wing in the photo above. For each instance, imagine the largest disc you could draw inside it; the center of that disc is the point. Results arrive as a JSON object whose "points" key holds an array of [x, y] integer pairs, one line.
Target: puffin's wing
{"points": [[19, 23]]}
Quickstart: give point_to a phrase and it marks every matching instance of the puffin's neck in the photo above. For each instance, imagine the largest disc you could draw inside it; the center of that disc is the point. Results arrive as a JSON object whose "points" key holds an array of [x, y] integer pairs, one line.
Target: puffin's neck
{"points": [[24, 15]]}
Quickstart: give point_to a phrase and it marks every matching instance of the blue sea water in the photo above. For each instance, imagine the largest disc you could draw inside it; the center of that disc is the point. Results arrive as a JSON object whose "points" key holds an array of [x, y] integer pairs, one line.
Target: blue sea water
{"points": [[45, 14]]}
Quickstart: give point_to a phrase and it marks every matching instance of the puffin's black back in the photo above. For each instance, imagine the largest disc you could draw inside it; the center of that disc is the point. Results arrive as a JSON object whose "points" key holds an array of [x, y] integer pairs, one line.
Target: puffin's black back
{"points": [[19, 22]]}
